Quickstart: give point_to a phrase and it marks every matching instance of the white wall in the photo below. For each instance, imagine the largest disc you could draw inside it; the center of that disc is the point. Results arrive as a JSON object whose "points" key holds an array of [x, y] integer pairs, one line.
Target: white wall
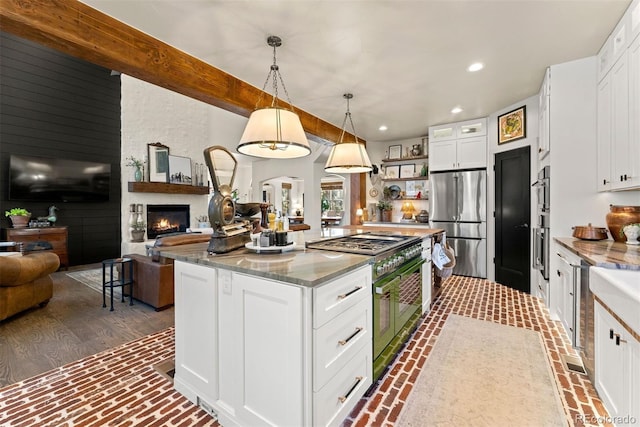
{"points": [[153, 114]]}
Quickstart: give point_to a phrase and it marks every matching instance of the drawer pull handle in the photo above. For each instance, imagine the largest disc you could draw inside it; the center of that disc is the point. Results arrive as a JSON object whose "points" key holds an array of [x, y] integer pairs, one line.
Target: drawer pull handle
{"points": [[353, 387], [343, 342], [343, 296], [619, 340], [610, 334]]}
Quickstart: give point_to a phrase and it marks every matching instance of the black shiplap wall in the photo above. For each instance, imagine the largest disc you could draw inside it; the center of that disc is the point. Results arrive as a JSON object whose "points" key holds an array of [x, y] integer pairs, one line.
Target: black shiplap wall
{"points": [[54, 105]]}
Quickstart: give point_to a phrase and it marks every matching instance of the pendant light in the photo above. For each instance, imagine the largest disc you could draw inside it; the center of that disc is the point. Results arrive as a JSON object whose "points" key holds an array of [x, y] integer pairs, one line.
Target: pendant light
{"points": [[274, 132], [348, 157]]}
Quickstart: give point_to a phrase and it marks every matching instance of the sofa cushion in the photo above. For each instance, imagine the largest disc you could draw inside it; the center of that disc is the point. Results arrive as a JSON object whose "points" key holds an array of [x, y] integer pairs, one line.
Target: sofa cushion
{"points": [[15, 271]]}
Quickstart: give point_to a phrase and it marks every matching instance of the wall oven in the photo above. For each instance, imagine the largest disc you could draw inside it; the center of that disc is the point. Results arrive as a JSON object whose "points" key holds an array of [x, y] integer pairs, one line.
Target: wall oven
{"points": [[541, 237]]}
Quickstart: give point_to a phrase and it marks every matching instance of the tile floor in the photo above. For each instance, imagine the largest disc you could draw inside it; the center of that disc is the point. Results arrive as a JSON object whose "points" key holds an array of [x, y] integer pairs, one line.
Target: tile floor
{"points": [[484, 300], [120, 386]]}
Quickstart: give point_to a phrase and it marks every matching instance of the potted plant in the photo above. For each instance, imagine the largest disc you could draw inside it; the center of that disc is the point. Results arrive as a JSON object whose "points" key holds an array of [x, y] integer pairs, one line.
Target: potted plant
{"points": [[19, 217], [203, 221], [136, 163], [385, 208], [137, 231]]}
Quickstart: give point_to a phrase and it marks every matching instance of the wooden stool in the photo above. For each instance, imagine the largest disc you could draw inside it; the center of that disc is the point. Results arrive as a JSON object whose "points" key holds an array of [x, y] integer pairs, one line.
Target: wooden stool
{"points": [[124, 278]]}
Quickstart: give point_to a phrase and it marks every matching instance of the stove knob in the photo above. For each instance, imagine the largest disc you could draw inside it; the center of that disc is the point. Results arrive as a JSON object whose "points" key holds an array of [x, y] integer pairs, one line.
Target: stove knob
{"points": [[380, 269]]}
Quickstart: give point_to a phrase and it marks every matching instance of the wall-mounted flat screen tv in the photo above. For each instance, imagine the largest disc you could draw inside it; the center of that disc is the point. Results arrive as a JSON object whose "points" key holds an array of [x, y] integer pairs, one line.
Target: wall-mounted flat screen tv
{"points": [[58, 180]]}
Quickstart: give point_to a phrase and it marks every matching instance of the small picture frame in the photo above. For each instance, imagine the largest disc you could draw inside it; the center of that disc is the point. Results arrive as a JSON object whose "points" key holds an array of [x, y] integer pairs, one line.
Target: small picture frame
{"points": [[410, 189], [395, 152], [512, 125], [180, 170], [407, 171], [392, 172]]}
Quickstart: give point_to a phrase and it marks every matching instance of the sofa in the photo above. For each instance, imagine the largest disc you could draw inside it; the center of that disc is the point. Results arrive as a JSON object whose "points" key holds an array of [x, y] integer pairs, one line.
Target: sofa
{"points": [[25, 281], [153, 273]]}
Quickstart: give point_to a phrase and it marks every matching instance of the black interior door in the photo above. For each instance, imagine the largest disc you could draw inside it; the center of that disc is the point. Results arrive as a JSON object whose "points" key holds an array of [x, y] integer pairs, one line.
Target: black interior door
{"points": [[512, 218]]}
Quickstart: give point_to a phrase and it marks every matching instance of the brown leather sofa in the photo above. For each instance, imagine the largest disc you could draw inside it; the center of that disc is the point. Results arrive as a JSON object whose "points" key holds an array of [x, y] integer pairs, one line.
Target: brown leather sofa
{"points": [[153, 274], [25, 281]]}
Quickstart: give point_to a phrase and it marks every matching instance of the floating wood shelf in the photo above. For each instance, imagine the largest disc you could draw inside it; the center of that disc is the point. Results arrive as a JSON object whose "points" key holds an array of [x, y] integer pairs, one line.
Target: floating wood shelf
{"points": [[163, 187], [417, 178], [405, 159]]}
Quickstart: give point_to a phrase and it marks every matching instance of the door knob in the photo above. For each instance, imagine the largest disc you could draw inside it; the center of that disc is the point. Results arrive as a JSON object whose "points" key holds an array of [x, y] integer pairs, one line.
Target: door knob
{"points": [[525, 225]]}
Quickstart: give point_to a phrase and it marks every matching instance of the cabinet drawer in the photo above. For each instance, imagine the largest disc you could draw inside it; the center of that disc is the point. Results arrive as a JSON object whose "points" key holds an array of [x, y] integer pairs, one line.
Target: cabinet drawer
{"points": [[332, 404], [340, 294], [339, 340]]}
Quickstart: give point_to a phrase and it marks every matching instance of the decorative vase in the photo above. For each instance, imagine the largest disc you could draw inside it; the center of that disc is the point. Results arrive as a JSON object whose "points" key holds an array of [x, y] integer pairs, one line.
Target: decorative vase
{"points": [[386, 215], [632, 232], [137, 235], [137, 174], [424, 170], [618, 217], [416, 150], [20, 221]]}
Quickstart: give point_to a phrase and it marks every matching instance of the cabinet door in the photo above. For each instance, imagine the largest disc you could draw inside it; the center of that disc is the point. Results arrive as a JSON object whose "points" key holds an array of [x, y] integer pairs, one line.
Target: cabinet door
{"points": [[442, 155], [442, 133], [604, 59], [620, 123], [261, 340], [471, 128], [634, 110], [543, 116], [611, 381], [604, 135], [196, 312], [472, 153]]}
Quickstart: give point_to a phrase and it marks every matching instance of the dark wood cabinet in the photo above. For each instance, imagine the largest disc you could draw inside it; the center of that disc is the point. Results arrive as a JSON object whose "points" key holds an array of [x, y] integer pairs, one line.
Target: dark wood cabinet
{"points": [[57, 237]]}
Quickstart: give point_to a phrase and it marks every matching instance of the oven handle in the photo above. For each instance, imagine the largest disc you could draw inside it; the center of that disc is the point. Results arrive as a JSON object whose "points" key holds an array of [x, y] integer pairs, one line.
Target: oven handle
{"points": [[385, 285], [412, 266]]}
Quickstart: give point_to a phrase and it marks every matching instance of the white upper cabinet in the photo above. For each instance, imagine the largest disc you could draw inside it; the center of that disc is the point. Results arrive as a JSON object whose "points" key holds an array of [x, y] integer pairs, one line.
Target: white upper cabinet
{"points": [[618, 113], [461, 145], [544, 100]]}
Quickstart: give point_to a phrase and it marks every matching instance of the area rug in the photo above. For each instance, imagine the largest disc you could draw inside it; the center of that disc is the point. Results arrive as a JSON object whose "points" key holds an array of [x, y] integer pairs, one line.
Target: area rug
{"points": [[481, 373], [93, 279]]}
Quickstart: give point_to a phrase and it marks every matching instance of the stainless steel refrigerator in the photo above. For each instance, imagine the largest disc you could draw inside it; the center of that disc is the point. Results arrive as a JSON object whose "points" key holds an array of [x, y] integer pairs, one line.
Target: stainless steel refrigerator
{"points": [[458, 204]]}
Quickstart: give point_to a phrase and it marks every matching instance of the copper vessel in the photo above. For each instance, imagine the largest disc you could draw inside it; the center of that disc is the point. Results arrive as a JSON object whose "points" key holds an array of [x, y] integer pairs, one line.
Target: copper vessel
{"points": [[618, 217], [589, 232]]}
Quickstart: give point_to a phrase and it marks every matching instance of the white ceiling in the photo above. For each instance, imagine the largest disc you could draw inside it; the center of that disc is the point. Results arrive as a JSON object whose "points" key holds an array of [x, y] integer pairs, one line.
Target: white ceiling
{"points": [[404, 61]]}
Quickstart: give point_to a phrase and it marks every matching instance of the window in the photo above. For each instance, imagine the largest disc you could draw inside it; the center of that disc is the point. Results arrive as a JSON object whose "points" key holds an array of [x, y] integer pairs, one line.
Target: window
{"points": [[332, 196], [286, 198]]}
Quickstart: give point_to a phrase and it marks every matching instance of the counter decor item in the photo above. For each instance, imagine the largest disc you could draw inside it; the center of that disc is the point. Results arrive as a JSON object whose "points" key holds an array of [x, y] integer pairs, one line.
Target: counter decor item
{"points": [[632, 232], [589, 232], [19, 217], [618, 217], [422, 216], [386, 209]]}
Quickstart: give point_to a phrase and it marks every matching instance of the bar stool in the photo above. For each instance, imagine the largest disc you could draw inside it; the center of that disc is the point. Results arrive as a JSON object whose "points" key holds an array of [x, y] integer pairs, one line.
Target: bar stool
{"points": [[123, 280]]}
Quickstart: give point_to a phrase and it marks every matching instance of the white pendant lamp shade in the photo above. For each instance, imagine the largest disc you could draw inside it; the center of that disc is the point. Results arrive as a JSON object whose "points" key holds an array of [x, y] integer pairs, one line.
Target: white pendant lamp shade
{"points": [[348, 157], [274, 133]]}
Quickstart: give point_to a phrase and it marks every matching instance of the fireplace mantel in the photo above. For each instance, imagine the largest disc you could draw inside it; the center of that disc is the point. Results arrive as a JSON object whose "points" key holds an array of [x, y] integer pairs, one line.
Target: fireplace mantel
{"points": [[163, 187]]}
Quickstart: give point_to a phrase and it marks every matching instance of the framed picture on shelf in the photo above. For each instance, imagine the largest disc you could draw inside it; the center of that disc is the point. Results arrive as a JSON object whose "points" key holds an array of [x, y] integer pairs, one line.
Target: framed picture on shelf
{"points": [[179, 170], [410, 189], [395, 152], [392, 172], [407, 171], [512, 125], [158, 162]]}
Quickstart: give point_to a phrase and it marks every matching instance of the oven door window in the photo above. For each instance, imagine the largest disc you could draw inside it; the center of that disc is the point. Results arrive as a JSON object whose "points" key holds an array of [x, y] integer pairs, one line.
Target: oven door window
{"points": [[409, 292], [383, 314]]}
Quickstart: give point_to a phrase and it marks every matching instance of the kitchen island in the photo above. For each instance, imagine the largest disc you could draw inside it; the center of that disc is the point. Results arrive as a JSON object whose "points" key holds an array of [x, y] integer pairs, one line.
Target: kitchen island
{"points": [[273, 339]]}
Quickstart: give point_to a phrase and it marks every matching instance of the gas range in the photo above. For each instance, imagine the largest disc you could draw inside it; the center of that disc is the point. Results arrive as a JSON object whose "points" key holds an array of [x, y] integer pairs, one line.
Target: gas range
{"points": [[390, 251]]}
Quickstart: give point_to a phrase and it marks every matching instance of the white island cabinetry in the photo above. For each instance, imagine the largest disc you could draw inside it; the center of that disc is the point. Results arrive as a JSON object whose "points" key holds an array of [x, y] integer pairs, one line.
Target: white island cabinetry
{"points": [[259, 351]]}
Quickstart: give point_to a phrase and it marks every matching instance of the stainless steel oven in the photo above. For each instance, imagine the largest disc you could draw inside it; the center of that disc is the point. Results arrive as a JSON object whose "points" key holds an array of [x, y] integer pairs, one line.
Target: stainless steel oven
{"points": [[541, 237]]}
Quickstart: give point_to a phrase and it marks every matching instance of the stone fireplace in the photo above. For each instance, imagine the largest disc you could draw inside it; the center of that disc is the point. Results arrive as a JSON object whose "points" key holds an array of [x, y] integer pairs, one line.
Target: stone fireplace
{"points": [[165, 219]]}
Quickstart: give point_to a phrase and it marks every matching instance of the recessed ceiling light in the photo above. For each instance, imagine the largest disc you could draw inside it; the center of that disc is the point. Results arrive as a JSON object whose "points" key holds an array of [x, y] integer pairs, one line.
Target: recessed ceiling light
{"points": [[476, 66], [456, 110], [382, 128]]}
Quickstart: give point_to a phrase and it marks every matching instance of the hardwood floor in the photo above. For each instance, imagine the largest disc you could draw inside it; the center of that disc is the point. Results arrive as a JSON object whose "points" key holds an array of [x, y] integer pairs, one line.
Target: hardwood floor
{"points": [[72, 326]]}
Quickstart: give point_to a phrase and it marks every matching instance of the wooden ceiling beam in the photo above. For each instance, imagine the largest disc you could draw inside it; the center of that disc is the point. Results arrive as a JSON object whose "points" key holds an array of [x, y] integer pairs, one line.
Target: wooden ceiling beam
{"points": [[76, 29]]}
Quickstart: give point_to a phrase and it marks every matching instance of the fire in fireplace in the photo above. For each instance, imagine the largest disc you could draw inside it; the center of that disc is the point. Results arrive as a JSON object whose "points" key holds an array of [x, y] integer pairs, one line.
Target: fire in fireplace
{"points": [[164, 219]]}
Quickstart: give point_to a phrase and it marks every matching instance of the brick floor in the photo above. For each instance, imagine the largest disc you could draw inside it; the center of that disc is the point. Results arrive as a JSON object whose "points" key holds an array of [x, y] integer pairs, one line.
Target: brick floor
{"points": [[484, 300]]}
